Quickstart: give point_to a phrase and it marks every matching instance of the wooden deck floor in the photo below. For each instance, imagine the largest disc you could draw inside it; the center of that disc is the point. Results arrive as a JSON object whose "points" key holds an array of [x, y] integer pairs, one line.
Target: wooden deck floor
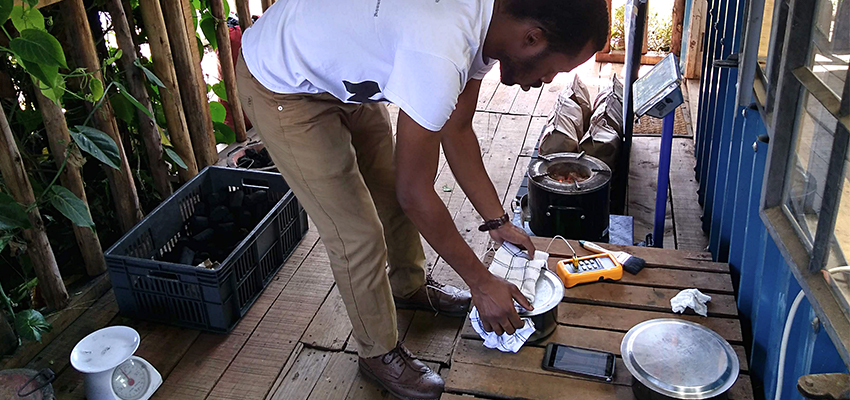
{"points": [[295, 343]]}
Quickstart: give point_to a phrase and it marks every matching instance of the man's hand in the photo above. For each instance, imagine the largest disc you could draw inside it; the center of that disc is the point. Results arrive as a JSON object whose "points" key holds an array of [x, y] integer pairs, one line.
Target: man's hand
{"points": [[494, 298], [513, 234]]}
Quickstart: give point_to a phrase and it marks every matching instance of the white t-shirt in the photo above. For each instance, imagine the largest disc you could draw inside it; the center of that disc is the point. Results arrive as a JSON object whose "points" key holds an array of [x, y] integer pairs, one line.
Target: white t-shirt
{"points": [[418, 54]]}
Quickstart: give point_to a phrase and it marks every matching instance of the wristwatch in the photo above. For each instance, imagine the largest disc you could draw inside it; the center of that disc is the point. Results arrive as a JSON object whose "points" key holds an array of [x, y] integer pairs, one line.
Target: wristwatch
{"points": [[491, 224]]}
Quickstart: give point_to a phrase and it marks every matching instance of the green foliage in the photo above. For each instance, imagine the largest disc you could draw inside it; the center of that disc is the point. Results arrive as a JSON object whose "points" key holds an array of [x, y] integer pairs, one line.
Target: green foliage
{"points": [[124, 92], [30, 325], [12, 215], [148, 73], [70, 206], [40, 47], [217, 111], [27, 18], [123, 109], [6, 9], [223, 133], [660, 33], [618, 28], [98, 144], [208, 27], [174, 157], [219, 90], [96, 89]]}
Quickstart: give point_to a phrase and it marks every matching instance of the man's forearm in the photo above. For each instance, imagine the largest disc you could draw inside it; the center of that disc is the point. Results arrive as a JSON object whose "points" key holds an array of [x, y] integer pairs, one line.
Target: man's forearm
{"points": [[433, 220], [464, 156]]}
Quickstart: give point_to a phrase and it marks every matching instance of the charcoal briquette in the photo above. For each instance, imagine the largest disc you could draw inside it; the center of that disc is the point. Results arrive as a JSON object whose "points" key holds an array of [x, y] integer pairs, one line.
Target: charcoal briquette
{"points": [[236, 199], [187, 255], [216, 199], [201, 209], [199, 223], [219, 214]]}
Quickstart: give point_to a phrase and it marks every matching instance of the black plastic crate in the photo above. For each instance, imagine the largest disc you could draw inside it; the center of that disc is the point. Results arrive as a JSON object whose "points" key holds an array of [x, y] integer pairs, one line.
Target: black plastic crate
{"points": [[214, 300]]}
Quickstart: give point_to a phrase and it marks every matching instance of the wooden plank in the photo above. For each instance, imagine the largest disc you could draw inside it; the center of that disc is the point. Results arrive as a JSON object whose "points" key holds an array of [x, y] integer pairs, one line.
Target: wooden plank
{"points": [[432, 337], [166, 346], [211, 354], [56, 355], [696, 33], [403, 320], [258, 363], [330, 327], [642, 298], [503, 99], [81, 299], [527, 359], [286, 368], [654, 257], [525, 101], [643, 180], [488, 88], [602, 317], [449, 396], [532, 136], [742, 389], [708, 282], [337, 378], [505, 383], [549, 95], [303, 376], [687, 213]]}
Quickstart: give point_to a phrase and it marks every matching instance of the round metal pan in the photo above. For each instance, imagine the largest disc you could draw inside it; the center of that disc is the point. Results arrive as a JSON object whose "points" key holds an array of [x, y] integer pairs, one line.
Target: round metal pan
{"points": [[678, 360], [549, 293]]}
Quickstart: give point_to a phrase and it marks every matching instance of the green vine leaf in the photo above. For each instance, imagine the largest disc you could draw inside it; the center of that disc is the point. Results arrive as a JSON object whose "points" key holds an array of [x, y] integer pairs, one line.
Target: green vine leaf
{"points": [[123, 109], [27, 18], [12, 214], [208, 27], [149, 74], [70, 206], [223, 133], [164, 139], [39, 47], [6, 10], [55, 92], [115, 57], [4, 240], [219, 90], [98, 144], [217, 111], [46, 74], [30, 325], [173, 156], [124, 92], [96, 88]]}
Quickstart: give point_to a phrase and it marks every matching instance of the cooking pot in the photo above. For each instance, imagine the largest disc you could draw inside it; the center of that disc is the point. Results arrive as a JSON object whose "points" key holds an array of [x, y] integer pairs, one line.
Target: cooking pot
{"points": [[672, 359], [549, 293], [27, 384]]}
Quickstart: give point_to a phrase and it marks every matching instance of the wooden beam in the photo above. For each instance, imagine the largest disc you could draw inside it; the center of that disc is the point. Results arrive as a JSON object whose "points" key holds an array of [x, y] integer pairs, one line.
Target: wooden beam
{"points": [[244, 13], [193, 92], [696, 31], [147, 125], [38, 247], [228, 70], [267, 4], [163, 65], [121, 181], [678, 23], [619, 57], [58, 139]]}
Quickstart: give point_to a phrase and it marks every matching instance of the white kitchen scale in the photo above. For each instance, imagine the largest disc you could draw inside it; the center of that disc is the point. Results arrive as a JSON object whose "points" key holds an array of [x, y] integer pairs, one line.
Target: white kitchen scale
{"points": [[111, 370]]}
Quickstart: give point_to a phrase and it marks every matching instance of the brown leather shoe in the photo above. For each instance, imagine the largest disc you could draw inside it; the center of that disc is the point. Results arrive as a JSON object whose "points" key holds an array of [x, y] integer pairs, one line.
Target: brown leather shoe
{"points": [[434, 296], [402, 375]]}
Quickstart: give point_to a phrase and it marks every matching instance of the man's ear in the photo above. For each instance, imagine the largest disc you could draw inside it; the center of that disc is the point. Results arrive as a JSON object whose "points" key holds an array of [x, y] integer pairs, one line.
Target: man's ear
{"points": [[534, 38]]}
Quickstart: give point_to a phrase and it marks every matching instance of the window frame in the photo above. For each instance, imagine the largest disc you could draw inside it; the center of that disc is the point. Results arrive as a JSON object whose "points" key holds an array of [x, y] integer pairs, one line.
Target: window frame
{"points": [[788, 80]]}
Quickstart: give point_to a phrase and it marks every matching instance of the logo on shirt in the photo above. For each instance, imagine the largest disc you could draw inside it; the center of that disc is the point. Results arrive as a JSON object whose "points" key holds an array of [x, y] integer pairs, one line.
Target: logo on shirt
{"points": [[363, 92]]}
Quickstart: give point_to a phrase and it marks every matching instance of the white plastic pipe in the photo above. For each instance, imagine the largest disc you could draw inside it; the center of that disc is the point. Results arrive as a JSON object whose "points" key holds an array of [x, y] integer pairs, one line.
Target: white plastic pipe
{"points": [[784, 347]]}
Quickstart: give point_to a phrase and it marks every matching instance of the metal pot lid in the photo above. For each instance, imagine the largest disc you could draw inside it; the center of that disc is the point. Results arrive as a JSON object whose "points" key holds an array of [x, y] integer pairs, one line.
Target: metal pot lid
{"points": [[680, 359], [540, 172], [549, 292]]}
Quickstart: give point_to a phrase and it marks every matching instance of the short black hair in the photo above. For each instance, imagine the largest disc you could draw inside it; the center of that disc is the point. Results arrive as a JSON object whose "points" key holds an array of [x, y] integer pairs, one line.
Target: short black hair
{"points": [[569, 25]]}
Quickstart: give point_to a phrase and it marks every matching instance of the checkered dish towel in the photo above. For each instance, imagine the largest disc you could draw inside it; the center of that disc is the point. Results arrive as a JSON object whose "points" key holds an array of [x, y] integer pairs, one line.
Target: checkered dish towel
{"points": [[518, 268]]}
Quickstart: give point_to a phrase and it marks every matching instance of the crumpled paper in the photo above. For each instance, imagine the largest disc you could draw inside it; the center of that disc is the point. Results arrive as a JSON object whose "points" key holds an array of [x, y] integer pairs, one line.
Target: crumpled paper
{"points": [[692, 298]]}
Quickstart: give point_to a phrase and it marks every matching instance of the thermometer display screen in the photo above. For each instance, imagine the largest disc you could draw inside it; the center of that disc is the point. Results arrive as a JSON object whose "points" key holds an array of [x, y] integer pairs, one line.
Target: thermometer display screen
{"points": [[130, 380]]}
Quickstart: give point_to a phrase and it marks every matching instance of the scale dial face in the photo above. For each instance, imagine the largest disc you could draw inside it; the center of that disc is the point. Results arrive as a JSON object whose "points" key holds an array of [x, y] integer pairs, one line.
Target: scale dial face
{"points": [[130, 380]]}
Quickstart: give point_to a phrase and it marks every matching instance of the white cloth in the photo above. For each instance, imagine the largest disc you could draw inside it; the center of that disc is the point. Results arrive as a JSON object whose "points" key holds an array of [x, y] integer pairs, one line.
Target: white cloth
{"points": [[416, 54], [505, 343], [515, 266], [692, 298]]}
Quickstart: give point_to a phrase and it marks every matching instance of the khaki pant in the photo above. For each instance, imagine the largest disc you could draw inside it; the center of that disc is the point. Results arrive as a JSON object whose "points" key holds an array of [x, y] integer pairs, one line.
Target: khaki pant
{"points": [[338, 160]]}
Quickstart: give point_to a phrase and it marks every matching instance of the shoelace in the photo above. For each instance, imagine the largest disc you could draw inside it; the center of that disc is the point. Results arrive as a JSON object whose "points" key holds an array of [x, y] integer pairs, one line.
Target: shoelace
{"points": [[397, 355], [430, 281]]}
